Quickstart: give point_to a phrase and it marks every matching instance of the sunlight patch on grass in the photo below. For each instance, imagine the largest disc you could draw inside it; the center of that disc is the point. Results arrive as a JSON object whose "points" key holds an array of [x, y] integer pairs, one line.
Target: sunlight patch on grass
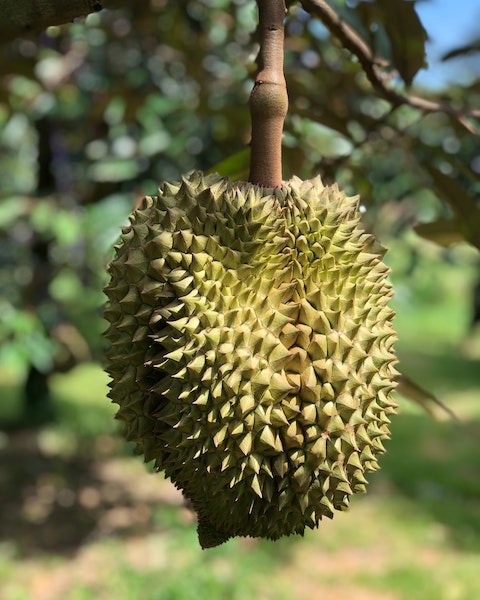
{"points": [[385, 545]]}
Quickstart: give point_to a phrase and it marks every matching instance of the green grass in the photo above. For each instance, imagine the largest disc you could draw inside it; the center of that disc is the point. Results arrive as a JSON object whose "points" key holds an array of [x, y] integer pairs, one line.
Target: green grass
{"points": [[186, 575]]}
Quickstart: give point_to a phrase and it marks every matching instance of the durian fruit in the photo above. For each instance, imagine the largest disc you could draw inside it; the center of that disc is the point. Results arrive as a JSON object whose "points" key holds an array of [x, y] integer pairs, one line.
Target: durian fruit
{"points": [[251, 350]]}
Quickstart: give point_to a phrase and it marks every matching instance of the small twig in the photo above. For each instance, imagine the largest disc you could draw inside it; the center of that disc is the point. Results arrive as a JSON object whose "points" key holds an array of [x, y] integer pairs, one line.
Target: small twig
{"points": [[268, 100], [371, 65]]}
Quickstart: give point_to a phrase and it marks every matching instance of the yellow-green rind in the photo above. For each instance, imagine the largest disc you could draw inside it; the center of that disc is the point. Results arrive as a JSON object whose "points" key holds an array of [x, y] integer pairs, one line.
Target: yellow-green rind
{"points": [[251, 350]]}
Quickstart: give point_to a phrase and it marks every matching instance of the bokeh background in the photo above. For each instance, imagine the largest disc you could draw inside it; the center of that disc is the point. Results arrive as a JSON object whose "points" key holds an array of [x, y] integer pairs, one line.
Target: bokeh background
{"points": [[93, 115]]}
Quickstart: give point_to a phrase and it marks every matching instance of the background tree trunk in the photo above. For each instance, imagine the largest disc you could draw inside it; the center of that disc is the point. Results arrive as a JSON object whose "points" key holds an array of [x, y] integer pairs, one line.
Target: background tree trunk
{"points": [[37, 406]]}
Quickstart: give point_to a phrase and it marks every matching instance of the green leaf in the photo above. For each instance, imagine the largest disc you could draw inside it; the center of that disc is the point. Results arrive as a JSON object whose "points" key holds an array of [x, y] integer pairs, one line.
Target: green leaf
{"points": [[326, 141], [406, 35], [114, 169], [102, 220], [329, 118], [235, 167], [373, 30], [67, 227], [444, 232], [11, 209], [460, 200]]}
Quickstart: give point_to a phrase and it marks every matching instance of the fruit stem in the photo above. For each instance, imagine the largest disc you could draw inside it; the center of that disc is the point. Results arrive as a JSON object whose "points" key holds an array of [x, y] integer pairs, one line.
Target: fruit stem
{"points": [[268, 100]]}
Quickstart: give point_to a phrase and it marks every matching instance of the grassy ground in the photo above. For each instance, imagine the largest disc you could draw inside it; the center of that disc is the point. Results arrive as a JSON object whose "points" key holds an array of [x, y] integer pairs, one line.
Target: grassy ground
{"points": [[84, 520]]}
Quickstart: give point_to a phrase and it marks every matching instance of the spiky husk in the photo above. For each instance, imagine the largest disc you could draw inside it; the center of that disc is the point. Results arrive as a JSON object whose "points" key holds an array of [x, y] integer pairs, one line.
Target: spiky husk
{"points": [[251, 350]]}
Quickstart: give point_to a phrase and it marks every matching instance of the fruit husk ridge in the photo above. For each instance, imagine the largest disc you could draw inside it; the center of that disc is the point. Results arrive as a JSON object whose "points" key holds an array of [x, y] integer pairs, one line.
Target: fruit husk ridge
{"points": [[251, 350]]}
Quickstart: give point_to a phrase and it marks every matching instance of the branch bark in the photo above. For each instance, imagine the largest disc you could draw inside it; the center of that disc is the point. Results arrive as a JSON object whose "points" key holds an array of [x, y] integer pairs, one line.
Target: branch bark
{"points": [[268, 100], [23, 16], [372, 66]]}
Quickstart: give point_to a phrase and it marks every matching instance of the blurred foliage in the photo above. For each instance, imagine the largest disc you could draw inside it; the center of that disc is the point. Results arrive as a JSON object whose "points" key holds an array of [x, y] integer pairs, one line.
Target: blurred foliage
{"points": [[93, 114]]}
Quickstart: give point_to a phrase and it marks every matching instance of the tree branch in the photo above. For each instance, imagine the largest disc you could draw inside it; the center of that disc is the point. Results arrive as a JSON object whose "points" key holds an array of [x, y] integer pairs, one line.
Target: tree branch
{"points": [[268, 100], [23, 16], [371, 65]]}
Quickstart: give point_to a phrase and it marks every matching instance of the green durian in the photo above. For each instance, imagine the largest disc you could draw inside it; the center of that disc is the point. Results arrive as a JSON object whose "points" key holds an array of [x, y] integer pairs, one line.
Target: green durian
{"points": [[251, 350]]}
